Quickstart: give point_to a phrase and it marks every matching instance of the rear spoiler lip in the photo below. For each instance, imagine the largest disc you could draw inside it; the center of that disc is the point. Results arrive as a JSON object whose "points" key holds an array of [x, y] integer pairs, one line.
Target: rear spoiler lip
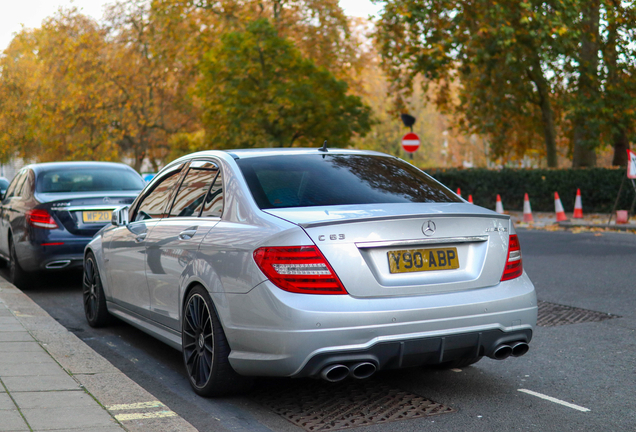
{"points": [[393, 217], [406, 243]]}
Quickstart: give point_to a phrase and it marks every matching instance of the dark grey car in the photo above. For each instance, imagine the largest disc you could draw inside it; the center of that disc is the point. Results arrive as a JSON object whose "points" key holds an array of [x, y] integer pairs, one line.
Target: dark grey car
{"points": [[52, 210]]}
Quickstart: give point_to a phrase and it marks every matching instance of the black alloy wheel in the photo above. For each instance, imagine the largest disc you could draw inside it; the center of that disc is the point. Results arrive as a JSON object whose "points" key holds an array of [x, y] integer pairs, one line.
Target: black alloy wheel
{"points": [[205, 348], [198, 339], [93, 294], [17, 276]]}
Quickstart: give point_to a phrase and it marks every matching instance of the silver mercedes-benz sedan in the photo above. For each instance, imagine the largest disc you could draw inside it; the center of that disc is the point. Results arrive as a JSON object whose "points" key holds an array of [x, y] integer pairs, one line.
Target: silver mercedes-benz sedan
{"points": [[309, 263]]}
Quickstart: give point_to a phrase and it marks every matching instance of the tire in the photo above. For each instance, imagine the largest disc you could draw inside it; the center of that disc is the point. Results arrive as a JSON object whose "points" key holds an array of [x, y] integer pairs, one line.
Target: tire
{"points": [[459, 363], [95, 308], [206, 350], [17, 276]]}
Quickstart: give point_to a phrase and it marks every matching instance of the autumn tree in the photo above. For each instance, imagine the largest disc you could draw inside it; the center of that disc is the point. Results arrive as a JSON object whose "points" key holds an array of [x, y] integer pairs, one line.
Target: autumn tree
{"points": [[54, 103], [318, 28], [506, 56], [258, 90]]}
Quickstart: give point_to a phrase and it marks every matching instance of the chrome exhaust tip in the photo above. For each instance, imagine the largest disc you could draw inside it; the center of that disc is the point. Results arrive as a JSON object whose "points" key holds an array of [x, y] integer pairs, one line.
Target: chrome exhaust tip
{"points": [[58, 264], [363, 370], [519, 349], [335, 373], [502, 352]]}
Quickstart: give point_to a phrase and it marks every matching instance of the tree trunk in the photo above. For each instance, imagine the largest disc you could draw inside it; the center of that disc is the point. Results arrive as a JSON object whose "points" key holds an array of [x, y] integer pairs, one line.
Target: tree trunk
{"points": [[614, 91], [547, 114], [586, 130], [621, 144]]}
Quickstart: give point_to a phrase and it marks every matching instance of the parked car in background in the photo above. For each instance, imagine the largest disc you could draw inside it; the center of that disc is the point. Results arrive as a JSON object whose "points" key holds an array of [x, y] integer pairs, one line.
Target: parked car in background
{"points": [[50, 211], [309, 263], [148, 176], [4, 184]]}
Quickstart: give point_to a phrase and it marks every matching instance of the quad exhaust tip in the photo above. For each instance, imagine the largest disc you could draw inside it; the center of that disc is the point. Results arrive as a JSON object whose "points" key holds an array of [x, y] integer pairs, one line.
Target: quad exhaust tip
{"points": [[58, 264], [519, 349], [338, 372], [362, 370], [516, 349], [335, 373]]}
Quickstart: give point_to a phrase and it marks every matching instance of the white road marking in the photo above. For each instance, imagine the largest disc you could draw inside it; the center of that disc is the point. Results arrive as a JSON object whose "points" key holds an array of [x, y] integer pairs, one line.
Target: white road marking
{"points": [[146, 415], [133, 406], [555, 400]]}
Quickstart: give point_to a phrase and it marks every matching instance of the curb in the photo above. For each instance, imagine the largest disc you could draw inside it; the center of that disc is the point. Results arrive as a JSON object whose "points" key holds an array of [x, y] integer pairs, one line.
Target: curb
{"points": [[130, 407], [615, 227]]}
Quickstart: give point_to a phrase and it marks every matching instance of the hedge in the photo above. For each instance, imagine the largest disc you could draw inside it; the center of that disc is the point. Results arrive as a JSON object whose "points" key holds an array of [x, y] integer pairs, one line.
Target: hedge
{"points": [[599, 187]]}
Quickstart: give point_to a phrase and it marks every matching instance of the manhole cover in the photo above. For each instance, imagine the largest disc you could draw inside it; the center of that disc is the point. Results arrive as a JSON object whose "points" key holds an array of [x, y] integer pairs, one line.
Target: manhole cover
{"points": [[320, 406], [552, 314]]}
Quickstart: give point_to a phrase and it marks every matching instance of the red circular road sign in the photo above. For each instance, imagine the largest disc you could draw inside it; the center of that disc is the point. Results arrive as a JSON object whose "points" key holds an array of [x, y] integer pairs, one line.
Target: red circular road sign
{"points": [[410, 142]]}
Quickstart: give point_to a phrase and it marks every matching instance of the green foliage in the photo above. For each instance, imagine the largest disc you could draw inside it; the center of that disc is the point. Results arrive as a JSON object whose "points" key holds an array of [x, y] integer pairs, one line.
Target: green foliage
{"points": [[257, 90], [560, 71], [599, 187]]}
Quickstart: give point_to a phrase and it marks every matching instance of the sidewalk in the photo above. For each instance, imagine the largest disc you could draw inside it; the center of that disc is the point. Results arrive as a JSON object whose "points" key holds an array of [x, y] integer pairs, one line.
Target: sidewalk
{"points": [[51, 380]]}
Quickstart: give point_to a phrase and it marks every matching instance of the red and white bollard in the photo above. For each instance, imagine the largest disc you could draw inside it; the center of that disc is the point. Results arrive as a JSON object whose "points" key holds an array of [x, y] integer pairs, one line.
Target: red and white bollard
{"points": [[527, 211], [558, 208], [578, 206], [499, 206]]}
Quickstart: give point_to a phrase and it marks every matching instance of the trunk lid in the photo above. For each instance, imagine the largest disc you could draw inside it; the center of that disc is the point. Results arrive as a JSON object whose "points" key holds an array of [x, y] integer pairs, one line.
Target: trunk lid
{"points": [[379, 252], [84, 214]]}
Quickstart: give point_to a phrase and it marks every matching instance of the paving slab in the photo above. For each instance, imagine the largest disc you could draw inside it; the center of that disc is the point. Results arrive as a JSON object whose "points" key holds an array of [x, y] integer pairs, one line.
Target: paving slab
{"points": [[49, 368], [61, 384], [30, 357], [18, 336], [22, 347], [85, 418], [60, 399], [12, 421], [6, 403], [59, 381]]}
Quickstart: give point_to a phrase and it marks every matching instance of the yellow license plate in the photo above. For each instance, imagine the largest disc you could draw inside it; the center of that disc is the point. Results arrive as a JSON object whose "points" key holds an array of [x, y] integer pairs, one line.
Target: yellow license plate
{"points": [[97, 216], [416, 260]]}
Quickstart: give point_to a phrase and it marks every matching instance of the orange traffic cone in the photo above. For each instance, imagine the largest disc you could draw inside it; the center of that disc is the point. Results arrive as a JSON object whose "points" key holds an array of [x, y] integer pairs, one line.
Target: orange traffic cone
{"points": [[527, 211], [578, 206], [558, 208], [459, 192], [499, 205], [470, 199]]}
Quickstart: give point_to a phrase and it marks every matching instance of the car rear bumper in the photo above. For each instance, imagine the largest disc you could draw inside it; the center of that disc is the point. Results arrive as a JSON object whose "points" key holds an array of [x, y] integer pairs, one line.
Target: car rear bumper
{"points": [[66, 256], [276, 333]]}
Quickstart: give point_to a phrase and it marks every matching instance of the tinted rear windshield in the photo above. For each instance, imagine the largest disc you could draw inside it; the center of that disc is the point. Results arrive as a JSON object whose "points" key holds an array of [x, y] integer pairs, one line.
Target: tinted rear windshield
{"points": [[88, 180], [319, 180]]}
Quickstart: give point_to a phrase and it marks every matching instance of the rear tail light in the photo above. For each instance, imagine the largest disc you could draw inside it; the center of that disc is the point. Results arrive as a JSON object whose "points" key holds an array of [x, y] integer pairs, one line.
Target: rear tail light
{"points": [[298, 269], [41, 219], [514, 266]]}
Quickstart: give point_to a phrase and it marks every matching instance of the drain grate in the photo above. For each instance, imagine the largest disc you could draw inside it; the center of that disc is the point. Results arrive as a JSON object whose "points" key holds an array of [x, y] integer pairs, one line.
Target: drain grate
{"points": [[553, 314], [320, 406]]}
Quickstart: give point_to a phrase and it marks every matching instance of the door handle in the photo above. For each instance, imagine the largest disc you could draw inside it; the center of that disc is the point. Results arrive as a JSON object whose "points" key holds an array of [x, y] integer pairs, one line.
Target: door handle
{"points": [[141, 237], [187, 234]]}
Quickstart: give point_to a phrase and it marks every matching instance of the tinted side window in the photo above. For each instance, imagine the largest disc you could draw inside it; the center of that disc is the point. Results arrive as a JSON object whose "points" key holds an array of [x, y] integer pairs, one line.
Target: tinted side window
{"points": [[154, 204], [194, 189], [213, 205], [27, 185], [16, 184]]}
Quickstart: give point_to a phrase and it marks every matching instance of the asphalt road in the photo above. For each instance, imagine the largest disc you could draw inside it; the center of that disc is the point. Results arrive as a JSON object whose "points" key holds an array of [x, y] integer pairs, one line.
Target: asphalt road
{"points": [[591, 365]]}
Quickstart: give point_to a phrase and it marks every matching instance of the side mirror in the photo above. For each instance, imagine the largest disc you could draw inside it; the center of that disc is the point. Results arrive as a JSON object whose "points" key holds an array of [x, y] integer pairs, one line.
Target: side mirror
{"points": [[120, 216]]}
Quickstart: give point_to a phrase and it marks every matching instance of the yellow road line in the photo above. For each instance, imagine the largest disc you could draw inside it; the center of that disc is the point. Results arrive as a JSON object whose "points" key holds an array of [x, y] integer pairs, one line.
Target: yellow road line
{"points": [[134, 406], [146, 415]]}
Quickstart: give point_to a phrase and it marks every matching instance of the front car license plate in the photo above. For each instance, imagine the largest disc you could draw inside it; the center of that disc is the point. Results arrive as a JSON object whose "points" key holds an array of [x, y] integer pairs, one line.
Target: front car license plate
{"points": [[416, 260], [97, 216]]}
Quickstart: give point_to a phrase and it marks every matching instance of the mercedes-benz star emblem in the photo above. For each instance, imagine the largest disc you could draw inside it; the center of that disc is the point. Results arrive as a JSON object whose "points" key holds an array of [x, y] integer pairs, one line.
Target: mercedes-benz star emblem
{"points": [[428, 228], [106, 200]]}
